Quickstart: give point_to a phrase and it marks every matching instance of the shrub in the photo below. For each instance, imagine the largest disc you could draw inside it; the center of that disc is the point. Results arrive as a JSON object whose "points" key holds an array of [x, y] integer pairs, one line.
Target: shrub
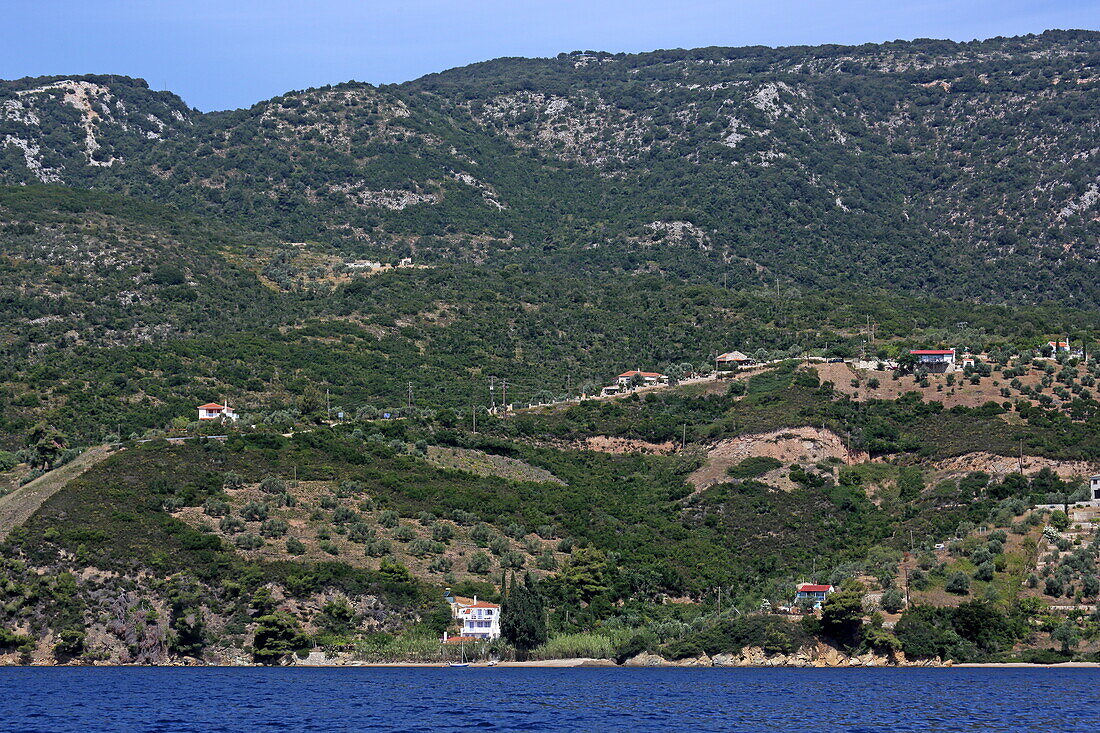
{"points": [[1054, 586], [479, 563], [388, 519], [511, 560], [295, 546], [420, 547], [272, 485], [547, 561], [440, 565], [231, 525], [328, 501], [984, 572], [232, 480], [481, 535], [343, 515], [442, 532], [893, 600], [378, 548], [498, 546], [958, 584], [425, 518], [545, 531], [285, 499], [752, 467], [254, 511], [215, 508], [329, 547], [565, 545], [273, 528], [249, 542], [360, 532], [515, 530], [404, 534]]}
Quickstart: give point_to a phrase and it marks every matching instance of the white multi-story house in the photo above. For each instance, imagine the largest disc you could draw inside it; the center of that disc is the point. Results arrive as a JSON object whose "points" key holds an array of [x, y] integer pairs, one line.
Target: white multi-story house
{"points": [[477, 619]]}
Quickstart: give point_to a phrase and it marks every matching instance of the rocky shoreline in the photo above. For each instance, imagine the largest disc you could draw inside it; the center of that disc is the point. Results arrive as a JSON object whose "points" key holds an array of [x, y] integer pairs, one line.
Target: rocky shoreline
{"points": [[820, 655]]}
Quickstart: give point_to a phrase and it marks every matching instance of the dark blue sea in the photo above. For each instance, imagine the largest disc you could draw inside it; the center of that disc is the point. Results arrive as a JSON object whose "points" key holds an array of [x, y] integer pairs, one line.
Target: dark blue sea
{"points": [[354, 699]]}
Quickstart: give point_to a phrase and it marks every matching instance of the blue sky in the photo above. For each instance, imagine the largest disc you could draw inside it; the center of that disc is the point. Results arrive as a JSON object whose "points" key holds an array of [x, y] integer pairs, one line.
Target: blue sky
{"points": [[221, 54]]}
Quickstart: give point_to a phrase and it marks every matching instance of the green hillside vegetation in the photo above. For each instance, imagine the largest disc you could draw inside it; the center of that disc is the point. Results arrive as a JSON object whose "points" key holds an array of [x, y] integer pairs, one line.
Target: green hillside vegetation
{"points": [[368, 274]]}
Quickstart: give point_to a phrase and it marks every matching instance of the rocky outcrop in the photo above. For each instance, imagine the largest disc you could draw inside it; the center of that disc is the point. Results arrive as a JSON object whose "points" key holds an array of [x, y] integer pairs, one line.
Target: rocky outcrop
{"points": [[821, 655]]}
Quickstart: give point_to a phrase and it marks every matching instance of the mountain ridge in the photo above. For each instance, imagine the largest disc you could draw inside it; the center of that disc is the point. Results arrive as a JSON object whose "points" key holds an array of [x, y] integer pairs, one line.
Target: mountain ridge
{"points": [[909, 165]]}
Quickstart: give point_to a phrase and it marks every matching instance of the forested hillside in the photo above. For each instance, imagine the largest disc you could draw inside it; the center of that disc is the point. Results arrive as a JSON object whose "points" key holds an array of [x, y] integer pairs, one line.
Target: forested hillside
{"points": [[410, 293], [910, 165]]}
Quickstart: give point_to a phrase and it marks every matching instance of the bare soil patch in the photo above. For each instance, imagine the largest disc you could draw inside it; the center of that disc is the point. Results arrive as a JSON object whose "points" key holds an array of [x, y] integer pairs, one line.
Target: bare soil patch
{"points": [[789, 445]]}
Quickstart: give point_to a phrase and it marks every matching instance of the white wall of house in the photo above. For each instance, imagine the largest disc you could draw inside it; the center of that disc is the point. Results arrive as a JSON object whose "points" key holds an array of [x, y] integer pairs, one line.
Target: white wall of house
{"points": [[483, 623]]}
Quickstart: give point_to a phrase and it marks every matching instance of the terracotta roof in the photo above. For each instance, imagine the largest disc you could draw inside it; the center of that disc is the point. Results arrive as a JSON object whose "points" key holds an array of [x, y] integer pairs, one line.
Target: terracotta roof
{"points": [[480, 604], [931, 352], [461, 639], [811, 588], [212, 406]]}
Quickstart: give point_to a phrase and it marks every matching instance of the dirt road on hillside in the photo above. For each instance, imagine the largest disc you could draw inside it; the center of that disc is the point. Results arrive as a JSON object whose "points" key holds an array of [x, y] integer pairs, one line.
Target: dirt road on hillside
{"points": [[18, 506]]}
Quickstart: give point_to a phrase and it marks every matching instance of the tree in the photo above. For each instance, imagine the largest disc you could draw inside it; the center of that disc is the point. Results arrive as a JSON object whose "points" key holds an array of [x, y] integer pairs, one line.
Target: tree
{"points": [[47, 443], [893, 600], [1067, 635], [523, 617], [277, 635], [842, 614], [957, 583], [585, 573]]}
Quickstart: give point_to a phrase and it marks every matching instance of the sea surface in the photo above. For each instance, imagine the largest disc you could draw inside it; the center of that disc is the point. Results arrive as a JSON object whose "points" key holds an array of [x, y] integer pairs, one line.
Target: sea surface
{"points": [[355, 699]]}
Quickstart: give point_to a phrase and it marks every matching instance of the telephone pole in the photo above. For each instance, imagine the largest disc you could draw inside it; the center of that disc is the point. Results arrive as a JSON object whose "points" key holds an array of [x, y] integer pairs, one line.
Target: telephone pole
{"points": [[492, 394], [410, 395], [504, 394]]}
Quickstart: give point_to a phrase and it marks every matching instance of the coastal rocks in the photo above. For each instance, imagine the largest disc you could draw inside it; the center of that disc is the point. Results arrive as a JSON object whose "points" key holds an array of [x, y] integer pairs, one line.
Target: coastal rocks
{"points": [[646, 659], [820, 655]]}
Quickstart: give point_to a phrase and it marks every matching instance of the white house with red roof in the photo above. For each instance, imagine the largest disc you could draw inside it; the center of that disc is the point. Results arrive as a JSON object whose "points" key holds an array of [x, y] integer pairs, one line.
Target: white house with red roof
{"points": [[1057, 346], [214, 411], [812, 593], [647, 379], [478, 620]]}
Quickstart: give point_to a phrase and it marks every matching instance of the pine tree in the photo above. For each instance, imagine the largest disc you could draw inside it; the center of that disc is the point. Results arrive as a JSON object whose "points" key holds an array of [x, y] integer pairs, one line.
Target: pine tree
{"points": [[523, 617]]}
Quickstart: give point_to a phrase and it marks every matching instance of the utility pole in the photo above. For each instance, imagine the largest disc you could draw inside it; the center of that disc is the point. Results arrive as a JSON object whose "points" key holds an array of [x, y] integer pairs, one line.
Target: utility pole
{"points": [[328, 404], [684, 440], [492, 394], [504, 394], [473, 413], [410, 395]]}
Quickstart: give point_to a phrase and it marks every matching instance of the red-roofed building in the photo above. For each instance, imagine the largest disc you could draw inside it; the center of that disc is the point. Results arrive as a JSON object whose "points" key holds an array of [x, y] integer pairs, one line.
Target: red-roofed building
{"points": [[214, 411], [1057, 346], [811, 593], [480, 620]]}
